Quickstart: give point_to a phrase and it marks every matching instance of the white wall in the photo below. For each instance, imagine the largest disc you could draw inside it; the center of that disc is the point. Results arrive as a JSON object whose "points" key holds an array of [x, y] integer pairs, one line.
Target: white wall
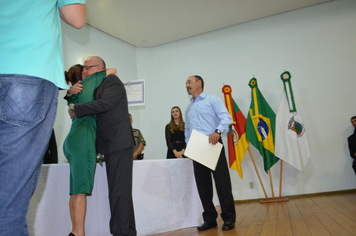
{"points": [[316, 44]]}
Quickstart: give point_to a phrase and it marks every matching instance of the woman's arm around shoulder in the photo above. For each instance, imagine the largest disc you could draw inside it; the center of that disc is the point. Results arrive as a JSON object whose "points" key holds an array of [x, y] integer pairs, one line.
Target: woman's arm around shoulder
{"points": [[111, 71]]}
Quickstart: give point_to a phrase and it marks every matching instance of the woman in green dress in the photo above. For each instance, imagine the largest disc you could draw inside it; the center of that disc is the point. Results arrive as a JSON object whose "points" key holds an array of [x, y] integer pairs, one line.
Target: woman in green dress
{"points": [[79, 146]]}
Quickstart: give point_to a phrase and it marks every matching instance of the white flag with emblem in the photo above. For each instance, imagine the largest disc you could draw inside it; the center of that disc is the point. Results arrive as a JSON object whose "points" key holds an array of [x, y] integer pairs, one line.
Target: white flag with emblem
{"points": [[291, 142]]}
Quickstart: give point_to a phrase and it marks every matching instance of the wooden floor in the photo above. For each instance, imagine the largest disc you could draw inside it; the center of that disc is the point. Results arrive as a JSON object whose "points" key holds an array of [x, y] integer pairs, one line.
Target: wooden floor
{"points": [[318, 215]]}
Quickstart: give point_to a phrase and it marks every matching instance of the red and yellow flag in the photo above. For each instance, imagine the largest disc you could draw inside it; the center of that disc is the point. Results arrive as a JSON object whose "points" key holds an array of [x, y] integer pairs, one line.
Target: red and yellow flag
{"points": [[237, 142]]}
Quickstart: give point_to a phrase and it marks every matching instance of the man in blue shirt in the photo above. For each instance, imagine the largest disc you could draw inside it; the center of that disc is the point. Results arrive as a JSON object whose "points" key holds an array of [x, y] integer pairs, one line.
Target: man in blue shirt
{"points": [[208, 115]]}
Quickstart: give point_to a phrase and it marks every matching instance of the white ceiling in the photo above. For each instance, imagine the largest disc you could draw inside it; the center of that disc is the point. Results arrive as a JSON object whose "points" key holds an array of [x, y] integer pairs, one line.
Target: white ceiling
{"points": [[148, 23]]}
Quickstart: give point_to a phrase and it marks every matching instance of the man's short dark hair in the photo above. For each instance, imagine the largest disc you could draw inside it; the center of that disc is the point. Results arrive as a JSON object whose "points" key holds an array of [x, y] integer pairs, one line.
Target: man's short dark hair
{"points": [[197, 77], [354, 117]]}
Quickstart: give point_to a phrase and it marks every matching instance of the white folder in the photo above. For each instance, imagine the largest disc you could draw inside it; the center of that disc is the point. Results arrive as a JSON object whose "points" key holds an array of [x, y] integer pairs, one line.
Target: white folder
{"points": [[200, 150]]}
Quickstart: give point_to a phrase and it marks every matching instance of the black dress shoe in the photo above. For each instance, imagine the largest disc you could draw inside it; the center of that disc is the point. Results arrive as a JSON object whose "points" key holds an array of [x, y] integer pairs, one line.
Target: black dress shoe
{"points": [[207, 225], [71, 234], [228, 226]]}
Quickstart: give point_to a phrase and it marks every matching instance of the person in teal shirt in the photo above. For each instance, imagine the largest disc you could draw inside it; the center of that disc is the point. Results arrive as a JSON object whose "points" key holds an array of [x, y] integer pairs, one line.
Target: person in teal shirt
{"points": [[31, 71]]}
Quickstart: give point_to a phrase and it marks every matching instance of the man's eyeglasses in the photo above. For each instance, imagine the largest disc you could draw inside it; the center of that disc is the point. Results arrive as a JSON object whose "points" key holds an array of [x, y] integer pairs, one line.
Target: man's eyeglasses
{"points": [[88, 67]]}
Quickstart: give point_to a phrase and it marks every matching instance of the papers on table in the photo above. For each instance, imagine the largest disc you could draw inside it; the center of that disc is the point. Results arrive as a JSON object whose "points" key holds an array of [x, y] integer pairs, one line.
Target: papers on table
{"points": [[200, 150]]}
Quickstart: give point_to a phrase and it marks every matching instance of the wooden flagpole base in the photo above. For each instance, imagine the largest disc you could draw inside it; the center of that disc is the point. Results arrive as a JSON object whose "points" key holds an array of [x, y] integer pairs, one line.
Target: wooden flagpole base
{"points": [[274, 199]]}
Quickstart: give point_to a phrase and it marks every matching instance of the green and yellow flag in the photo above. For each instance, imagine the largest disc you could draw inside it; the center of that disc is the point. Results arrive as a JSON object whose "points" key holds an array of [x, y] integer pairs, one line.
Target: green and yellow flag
{"points": [[260, 126]]}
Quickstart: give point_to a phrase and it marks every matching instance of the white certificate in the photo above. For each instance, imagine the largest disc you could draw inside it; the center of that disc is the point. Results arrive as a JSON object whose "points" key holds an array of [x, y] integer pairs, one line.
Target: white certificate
{"points": [[200, 150], [135, 91]]}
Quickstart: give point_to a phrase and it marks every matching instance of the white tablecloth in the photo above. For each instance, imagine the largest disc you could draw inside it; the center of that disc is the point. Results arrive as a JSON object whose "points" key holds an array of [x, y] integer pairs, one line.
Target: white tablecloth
{"points": [[164, 194]]}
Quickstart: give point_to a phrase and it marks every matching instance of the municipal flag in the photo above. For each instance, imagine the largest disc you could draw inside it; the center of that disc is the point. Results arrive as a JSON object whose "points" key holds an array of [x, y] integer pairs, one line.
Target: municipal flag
{"points": [[260, 126], [237, 142], [292, 144]]}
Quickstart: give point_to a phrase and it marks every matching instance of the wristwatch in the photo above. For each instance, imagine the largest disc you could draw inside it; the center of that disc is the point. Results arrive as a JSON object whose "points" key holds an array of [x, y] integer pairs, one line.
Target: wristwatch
{"points": [[72, 108], [218, 131]]}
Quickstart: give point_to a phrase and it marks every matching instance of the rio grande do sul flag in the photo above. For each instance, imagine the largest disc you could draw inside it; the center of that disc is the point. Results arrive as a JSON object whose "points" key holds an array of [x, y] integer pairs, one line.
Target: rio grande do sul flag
{"points": [[291, 140], [260, 126], [237, 142]]}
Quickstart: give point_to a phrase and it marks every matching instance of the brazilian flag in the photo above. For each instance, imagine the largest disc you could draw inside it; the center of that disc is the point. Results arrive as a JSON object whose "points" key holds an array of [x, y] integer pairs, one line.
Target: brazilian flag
{"points": [[260, 126]]}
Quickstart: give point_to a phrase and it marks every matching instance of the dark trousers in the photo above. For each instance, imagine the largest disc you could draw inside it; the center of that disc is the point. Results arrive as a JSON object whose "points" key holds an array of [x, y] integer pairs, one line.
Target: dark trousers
{"points": [[119, 174], [223, 187]]}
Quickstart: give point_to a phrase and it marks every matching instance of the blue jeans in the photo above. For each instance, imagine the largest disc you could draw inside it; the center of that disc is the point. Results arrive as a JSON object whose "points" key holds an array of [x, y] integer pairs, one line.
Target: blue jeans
{"points": [[28, 107]]}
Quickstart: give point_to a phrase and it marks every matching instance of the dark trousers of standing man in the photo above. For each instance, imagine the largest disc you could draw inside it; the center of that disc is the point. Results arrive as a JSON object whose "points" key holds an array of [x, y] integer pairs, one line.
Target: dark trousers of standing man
{"points": [[223, 187], [119, 174]]}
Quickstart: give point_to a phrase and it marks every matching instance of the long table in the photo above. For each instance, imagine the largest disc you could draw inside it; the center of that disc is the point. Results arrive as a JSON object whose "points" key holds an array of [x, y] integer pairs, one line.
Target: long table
{"points": [[164, 195]]}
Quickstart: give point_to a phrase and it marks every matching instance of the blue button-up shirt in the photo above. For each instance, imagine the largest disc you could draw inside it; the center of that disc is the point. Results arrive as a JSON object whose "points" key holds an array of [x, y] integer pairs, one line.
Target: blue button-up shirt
{"points": [[206, 113]]}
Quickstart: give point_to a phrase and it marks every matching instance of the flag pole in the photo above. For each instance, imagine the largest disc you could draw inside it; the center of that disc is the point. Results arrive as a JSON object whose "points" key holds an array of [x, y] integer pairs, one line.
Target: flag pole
{"points": [[230, 107], [275, 199], [270, 179], [257, 117], [258, 174], [280, 179], [292, 108]]}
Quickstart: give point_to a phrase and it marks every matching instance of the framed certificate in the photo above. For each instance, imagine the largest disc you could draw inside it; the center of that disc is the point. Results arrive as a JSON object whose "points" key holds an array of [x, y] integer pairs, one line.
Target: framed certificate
{"points": [[135, 91]]}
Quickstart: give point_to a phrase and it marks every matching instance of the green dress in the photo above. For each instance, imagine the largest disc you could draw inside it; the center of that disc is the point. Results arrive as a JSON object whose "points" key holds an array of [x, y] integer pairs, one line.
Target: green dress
{"points": [[79, 145]]}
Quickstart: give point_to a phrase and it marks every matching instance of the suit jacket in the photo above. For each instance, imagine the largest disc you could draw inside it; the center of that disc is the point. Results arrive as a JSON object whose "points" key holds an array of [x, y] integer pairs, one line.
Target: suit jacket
{"points": [[114, 131], [352, 144]]}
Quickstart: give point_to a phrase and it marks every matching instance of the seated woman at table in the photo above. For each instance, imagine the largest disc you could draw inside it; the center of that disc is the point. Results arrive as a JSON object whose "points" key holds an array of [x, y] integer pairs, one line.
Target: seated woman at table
{"points": [[79, 146], [175, 138]]}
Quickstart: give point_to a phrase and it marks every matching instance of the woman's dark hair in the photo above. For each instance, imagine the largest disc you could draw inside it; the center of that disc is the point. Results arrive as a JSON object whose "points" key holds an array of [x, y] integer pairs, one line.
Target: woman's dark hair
{"points": [[74, 74]]}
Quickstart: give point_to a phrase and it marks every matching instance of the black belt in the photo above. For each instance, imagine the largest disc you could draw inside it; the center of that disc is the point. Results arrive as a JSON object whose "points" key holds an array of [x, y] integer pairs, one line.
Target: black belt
{"points": [[177, 142]]}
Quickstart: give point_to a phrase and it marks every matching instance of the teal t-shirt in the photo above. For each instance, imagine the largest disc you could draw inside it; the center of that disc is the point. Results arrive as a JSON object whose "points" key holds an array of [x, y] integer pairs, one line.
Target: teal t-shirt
{"points": [[31, 39]]}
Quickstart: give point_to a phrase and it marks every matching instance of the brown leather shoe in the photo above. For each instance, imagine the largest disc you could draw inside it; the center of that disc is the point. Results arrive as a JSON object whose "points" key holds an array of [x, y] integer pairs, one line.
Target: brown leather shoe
{"points": [[207, 225]]}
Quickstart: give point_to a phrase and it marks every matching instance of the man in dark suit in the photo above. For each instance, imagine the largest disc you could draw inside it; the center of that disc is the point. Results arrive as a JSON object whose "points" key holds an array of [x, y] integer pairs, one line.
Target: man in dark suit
{"points": [[352, 143], [115, 140]]}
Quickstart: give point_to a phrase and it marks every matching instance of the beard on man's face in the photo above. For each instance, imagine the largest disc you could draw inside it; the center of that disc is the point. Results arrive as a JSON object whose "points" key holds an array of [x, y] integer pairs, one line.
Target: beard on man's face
{"points": [[189, 90]]}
